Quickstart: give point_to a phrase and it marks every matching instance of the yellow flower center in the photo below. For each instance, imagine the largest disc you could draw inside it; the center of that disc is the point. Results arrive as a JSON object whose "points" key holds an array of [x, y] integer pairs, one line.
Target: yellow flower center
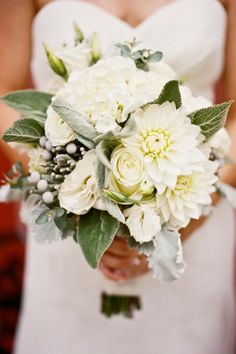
{"points": [[156, 142], [184, 183]]}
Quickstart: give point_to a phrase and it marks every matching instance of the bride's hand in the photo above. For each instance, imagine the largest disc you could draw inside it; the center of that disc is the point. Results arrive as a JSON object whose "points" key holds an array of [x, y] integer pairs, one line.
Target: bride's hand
{"points": [[120, 262]]}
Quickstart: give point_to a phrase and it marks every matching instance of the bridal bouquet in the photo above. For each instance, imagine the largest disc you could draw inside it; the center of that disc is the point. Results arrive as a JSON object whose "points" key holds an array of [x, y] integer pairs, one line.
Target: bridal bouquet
{"points": [[118, 147]]}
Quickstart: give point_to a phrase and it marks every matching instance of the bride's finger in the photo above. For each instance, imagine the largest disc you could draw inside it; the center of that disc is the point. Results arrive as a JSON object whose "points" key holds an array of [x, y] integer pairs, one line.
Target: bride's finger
{"points": [[113, 261], [111, 275], [120, 247]]}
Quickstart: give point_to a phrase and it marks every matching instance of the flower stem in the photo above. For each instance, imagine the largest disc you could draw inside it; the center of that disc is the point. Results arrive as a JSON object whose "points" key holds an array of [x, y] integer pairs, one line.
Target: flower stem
{"points": [[119, 305]]}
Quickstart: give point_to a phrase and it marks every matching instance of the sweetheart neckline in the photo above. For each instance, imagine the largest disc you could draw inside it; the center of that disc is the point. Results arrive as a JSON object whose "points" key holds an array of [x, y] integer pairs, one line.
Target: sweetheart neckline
{"points": [[138, 27]]}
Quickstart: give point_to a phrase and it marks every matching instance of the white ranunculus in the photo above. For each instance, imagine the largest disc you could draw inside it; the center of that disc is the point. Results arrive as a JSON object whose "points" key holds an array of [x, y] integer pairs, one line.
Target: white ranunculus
{"points": [[112, 88], [221, 141], [36, 162], [143, 222], [57, 131], [188, 197], [128, 172], [168, 143], [79, 191]]}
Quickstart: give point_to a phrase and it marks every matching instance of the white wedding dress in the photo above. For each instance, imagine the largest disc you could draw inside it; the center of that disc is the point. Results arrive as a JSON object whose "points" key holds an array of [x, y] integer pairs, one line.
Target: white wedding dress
{"points": [[194, 315]]}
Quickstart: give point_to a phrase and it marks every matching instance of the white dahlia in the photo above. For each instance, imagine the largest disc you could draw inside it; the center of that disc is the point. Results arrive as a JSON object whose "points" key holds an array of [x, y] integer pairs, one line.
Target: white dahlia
{"points": [[188, 197], [168, 143]]}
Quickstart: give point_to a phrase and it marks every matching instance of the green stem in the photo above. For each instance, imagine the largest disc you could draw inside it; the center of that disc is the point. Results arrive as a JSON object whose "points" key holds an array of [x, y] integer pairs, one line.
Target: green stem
{"points": [[119, 305]]}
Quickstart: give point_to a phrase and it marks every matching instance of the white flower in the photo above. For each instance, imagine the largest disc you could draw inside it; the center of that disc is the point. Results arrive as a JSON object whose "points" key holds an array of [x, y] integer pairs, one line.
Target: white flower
{"points": [[36, 162], [75, 58], [8, 194], [221, 141], [79, 191], [128, 172], [111, 89], [143, 222], [188, 197], [56, 130], [192, 103], [22, 148], [168, 143]]}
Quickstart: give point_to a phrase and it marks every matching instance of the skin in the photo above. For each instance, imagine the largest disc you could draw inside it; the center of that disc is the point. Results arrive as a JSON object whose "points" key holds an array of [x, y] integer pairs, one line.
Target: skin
{"points": [[119, 263]]}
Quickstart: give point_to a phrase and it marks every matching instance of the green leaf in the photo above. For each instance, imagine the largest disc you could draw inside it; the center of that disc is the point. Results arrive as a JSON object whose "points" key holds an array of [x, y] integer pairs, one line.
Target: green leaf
{"points": [[30, 103], [155, 57], [25, 131], [119, 197], [211, 119], [43, 218], [75, 120], [124, 49], [170, 93], [62, 222], [95, 234]]}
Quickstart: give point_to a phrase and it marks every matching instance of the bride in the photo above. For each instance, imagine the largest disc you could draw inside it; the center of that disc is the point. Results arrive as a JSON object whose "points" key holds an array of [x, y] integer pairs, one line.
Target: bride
{"points": [[60, 311]]}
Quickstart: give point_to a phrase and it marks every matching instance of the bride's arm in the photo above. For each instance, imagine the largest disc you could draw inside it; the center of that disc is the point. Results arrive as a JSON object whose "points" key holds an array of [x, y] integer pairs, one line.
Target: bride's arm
{"points": [[227, 173], [15, 53]]}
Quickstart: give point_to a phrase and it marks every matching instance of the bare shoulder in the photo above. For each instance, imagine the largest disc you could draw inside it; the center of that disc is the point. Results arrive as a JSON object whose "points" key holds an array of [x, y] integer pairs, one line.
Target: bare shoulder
{"points": [[40, 3], [228, 4]]}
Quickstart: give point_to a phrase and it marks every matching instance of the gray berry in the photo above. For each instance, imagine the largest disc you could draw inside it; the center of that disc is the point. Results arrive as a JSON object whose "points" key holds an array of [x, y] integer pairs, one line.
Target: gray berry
{"points": [[42, 185], [34, 177], [46, 155], [48, 145], [47, 197], [42, 141], [71, 148]]}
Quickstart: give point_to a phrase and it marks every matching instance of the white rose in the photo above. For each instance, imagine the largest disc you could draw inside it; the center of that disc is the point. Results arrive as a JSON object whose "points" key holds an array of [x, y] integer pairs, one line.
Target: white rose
{"points": [[143, 222], [221, 141], [79, 191], [56, 130], [36, 162], [128, 172]]}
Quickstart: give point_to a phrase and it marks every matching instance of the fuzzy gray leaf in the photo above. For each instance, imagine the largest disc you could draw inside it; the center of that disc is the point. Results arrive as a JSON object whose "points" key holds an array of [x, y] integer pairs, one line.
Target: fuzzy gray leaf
{"points": [[166, 259], [74, 119]]}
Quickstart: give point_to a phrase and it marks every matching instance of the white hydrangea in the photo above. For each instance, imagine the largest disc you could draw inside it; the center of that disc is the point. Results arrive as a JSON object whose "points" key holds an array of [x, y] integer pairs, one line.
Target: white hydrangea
{"points": [[112, 88], [168, 143]]}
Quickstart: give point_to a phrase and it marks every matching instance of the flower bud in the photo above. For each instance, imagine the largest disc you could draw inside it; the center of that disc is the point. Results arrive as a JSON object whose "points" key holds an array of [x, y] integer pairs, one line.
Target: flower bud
{"points": [[56, 63], [95, 47], [79, 36]]}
